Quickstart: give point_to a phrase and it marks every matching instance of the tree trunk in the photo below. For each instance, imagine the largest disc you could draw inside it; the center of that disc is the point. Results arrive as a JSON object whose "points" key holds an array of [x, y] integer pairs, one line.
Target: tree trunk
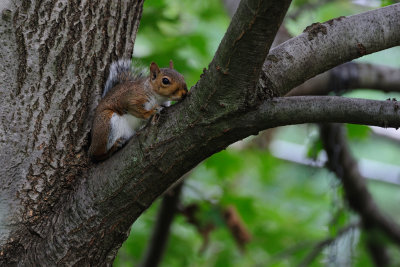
{"points": [[55, 56], [57, 207]]}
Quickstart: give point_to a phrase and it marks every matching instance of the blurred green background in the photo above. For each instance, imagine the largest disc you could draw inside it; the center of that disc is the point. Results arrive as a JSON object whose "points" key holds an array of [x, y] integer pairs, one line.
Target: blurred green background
{"points": [[287, 207]]}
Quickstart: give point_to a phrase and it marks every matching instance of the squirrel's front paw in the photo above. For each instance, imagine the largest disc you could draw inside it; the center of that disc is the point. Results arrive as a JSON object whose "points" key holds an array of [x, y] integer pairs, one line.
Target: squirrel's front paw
{"points": [[154, 119], [120, 142], [156, 116]]}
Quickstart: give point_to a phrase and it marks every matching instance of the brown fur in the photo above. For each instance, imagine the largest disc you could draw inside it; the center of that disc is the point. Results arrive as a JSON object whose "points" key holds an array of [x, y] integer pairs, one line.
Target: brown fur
{"points": [[100, 132], [131, 97], [176, 90]]}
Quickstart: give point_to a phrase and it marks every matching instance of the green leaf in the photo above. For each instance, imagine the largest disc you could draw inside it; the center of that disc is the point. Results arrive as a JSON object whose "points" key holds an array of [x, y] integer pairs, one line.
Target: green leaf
{"points": [[225, 164], [388, 2], [314, 148], [358, 132], [340, 220]]}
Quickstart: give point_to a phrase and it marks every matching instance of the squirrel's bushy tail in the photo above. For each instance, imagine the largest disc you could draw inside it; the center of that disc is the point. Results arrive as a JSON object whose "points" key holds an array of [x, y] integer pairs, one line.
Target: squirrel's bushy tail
{"points": [[122, 71]]}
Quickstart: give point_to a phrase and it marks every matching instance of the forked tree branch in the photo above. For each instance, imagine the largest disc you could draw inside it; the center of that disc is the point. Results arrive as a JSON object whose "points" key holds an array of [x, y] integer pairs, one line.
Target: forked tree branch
{"points": [[232, 76], [223, 107], [102, 207], [220, 110]]}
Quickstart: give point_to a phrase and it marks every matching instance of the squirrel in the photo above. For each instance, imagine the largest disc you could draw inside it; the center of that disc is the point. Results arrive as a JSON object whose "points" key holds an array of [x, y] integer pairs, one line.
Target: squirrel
{"points": [[129, 99]]}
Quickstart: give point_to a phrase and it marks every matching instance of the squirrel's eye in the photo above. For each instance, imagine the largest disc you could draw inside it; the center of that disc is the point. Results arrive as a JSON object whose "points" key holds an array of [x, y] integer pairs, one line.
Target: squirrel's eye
{"points": [[165, 81]]}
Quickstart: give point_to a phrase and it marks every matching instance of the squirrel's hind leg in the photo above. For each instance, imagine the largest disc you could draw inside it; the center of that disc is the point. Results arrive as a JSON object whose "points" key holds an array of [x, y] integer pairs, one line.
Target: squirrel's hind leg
{"points": [[100, 132], [122, 129]]}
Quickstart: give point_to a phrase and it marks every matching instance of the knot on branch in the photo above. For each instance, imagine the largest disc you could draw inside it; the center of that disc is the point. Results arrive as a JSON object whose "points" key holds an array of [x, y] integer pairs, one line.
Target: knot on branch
{"points": [[314, 29], [265, 89]]}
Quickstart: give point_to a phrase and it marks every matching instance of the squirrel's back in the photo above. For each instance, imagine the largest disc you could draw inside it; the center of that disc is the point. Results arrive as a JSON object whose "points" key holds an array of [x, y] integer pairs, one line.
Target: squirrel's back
{"points": [[122, 71]]}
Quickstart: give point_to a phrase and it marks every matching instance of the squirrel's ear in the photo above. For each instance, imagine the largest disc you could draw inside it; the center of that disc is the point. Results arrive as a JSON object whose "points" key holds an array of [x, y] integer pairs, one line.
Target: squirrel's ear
{"points": [[171, 64], [154, 70]]}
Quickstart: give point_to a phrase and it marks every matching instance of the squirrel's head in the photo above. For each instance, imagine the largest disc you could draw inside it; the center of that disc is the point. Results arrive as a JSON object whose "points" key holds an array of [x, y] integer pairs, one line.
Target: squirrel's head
{"points": [[168, 82]]}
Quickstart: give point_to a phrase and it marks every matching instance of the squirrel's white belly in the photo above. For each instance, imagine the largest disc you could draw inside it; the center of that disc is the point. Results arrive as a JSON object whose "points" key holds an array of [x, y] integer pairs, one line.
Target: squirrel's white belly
{"points": [[122, 127]]}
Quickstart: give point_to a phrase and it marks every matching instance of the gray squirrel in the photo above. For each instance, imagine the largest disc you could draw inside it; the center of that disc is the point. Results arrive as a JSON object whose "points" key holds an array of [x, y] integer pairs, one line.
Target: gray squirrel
{"points": [[129, 98]]}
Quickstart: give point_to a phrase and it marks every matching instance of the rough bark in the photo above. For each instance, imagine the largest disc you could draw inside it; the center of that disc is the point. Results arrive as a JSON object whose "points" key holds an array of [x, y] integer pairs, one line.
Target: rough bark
{"points": [[68, 211], [127, 183], [54, 60]]}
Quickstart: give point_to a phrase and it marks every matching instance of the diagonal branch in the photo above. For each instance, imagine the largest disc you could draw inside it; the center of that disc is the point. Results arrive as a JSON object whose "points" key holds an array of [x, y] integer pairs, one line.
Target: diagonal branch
{"points": [[220, 110], [325, 45], [150, 162], [233, 74], [345, 167], [103, 207], [91, 220]]}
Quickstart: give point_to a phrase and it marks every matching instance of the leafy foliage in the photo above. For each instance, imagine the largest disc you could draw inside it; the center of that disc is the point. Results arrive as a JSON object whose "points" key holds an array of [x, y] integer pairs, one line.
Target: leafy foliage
{"points": [[266, 193], [388, 2], [188, 32], [359, 132]]}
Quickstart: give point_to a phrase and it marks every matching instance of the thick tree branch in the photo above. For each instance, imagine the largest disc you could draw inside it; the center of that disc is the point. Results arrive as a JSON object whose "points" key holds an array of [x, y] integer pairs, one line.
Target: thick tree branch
{"points": [[54, 56], [342, 78], [303, 109], [351, 76], [151, 161], [233, 73], [325, 45], [345, 167], [97, 215], [345, 77]]}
